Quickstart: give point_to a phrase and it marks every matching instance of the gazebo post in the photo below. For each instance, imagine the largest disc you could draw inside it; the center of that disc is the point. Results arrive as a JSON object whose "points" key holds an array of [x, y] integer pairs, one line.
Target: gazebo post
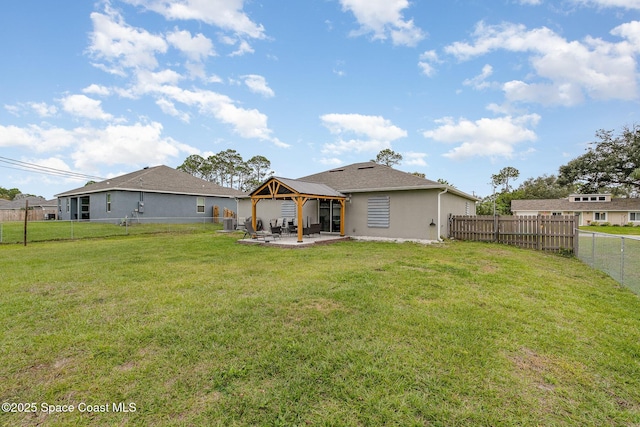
{"points": [[342, 207], [300, 202], [254, 220]]}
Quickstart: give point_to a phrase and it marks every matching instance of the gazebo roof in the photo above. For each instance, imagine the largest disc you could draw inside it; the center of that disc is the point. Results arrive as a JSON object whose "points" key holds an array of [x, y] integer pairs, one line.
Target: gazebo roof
{"points": [[276, 187], [300, 192]]}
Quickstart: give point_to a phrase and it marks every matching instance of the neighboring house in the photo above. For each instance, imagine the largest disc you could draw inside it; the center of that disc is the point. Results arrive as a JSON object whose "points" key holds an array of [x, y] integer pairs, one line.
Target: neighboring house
{"points": [[158, 193], [592, 208], [39, 208], [378, 201]]}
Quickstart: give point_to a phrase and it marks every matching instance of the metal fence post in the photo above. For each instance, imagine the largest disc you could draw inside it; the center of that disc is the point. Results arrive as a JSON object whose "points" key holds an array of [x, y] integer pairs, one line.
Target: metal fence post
{"points": [[622, 260]]}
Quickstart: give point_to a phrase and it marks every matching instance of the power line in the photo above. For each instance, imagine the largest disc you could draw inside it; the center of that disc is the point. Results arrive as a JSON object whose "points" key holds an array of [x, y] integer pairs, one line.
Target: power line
{"points": [[32, 167]]}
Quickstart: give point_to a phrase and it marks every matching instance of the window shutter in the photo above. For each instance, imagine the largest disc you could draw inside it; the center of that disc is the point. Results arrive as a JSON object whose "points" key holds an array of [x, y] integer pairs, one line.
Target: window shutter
{"points": [[288, 209], [378, 211]]}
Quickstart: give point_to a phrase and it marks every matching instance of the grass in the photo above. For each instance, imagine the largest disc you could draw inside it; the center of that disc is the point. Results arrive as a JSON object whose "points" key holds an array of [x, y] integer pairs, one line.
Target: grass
{"points": [[611, 229], [41, 231], [197, 330]]}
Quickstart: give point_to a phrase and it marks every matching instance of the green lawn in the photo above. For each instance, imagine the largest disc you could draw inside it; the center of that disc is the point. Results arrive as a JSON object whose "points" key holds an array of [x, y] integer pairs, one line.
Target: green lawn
{"points": [[610, 229], [194, 329], [41, 231]]}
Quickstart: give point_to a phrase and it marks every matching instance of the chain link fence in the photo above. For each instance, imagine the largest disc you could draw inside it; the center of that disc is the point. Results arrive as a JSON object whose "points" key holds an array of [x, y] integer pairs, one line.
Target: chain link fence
{"points": [[40, 231], [618, 256]]}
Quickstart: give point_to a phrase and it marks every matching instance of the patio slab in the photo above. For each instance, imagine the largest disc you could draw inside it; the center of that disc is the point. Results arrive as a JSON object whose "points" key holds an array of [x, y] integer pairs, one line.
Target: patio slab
{"points": [[292, 241]]}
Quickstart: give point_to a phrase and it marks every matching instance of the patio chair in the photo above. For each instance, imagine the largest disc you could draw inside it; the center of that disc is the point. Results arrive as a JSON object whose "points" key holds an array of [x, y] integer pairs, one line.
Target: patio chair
{"points": [[276, 229], [250, 231]]}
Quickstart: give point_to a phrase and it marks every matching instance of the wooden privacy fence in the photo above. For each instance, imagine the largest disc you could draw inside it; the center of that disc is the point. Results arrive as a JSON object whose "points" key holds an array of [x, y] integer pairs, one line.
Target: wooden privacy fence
{"points": [[542, 232]]}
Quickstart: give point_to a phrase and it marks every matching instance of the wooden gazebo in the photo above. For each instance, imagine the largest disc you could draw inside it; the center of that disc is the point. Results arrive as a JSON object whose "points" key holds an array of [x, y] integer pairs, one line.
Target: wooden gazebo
{"points": [[299, 192]]}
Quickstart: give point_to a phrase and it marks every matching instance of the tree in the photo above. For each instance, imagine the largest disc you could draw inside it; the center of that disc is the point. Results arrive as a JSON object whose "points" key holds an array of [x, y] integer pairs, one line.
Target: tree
{"points": [[502, 178], [194, 165], [260, 168], [388, 157], [228, 169], [610, 164], [9, 194], [543, 187]]}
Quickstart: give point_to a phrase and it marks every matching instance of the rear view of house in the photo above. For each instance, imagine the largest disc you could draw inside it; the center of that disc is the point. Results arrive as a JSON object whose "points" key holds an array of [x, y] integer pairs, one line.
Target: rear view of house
{"points": [[367, 199], [160, 193]]}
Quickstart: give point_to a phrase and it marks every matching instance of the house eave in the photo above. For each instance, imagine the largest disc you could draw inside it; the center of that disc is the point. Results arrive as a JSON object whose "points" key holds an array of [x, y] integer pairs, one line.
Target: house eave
{"points": [[409, 188], [136, 190]]}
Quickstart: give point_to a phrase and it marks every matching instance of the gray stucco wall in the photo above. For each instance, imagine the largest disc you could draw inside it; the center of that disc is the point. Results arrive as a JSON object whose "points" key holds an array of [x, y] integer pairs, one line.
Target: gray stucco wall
{"points": [[411, 214], [155, 205]]}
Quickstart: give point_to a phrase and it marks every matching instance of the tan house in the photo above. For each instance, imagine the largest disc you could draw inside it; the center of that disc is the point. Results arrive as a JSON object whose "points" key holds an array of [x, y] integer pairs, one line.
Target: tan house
{"points": [[592, 208], [362, 199]]}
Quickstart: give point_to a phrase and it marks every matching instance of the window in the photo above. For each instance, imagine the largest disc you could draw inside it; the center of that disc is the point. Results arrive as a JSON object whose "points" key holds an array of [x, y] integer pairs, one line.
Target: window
{"points": [[602, 198], [556, 213], [600, 216], [466, 208], [378, 211], [108, 202], [634, 216], [68, 208], [200, 205], [288, 209]]}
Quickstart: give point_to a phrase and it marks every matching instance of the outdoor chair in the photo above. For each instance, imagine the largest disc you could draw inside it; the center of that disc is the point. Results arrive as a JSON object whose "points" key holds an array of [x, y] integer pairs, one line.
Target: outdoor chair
{"points": [[276, 229], [250, 231]]}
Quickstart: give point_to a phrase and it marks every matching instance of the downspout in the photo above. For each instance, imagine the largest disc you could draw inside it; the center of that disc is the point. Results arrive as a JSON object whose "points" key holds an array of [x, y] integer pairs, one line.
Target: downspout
{"points": [[440, 194]]}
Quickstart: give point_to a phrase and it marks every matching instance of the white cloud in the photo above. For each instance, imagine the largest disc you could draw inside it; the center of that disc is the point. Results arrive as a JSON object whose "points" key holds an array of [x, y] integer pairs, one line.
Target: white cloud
{"points": [[169, 108], [43, 109], [95, 89], [412, 158], [568, 70], [126, 145], [484, 137], [479, 82], [92, 147], [626, 4], [121, 45], [373, 133], [83, 106], [12, 109], [330, 161], [226, 14], [258, 84], [384, 19], [196, 48], [426, 60]]}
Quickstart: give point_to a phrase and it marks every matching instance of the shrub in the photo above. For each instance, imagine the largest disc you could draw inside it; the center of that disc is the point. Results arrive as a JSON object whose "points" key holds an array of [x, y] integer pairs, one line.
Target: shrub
{"points": [[605, 224]]}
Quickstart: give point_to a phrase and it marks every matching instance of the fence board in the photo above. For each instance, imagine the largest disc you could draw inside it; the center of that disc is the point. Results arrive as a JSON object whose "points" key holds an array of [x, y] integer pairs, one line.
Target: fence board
{"points": [[542, 232]]}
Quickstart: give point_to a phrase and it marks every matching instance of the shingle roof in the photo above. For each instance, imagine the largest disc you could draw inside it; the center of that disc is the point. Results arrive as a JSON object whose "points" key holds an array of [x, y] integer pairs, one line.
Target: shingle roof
{"points": [[158, 179], [370, 176], [566, 205], [34, 201], [311, 188]]}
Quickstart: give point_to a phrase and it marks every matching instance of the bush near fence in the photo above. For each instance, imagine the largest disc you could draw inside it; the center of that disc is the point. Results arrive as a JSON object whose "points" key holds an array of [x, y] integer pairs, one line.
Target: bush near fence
{"points": [[555, 233]]}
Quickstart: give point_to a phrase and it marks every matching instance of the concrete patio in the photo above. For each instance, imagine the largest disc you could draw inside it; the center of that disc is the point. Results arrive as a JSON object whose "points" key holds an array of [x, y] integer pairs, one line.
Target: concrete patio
{"points": [[291, 241]]}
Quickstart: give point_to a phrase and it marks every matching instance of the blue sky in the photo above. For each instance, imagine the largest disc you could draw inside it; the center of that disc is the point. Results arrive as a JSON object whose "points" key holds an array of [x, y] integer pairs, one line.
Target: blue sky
{"points": [[460, 88]]}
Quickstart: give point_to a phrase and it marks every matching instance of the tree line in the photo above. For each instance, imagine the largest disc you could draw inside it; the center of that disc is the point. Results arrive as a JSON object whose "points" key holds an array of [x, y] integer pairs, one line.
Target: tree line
{"points": [[611, 164], [228, 169]]}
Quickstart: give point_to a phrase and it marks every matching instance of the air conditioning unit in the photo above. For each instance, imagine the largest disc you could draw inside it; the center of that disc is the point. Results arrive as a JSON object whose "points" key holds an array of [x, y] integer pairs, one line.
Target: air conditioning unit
{"points": [[228, 224]]}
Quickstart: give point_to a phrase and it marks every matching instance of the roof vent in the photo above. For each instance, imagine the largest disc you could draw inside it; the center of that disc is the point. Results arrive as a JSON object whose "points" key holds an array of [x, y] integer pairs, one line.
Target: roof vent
{"points": [[336, 170], [146, 167], [366, 167]]}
